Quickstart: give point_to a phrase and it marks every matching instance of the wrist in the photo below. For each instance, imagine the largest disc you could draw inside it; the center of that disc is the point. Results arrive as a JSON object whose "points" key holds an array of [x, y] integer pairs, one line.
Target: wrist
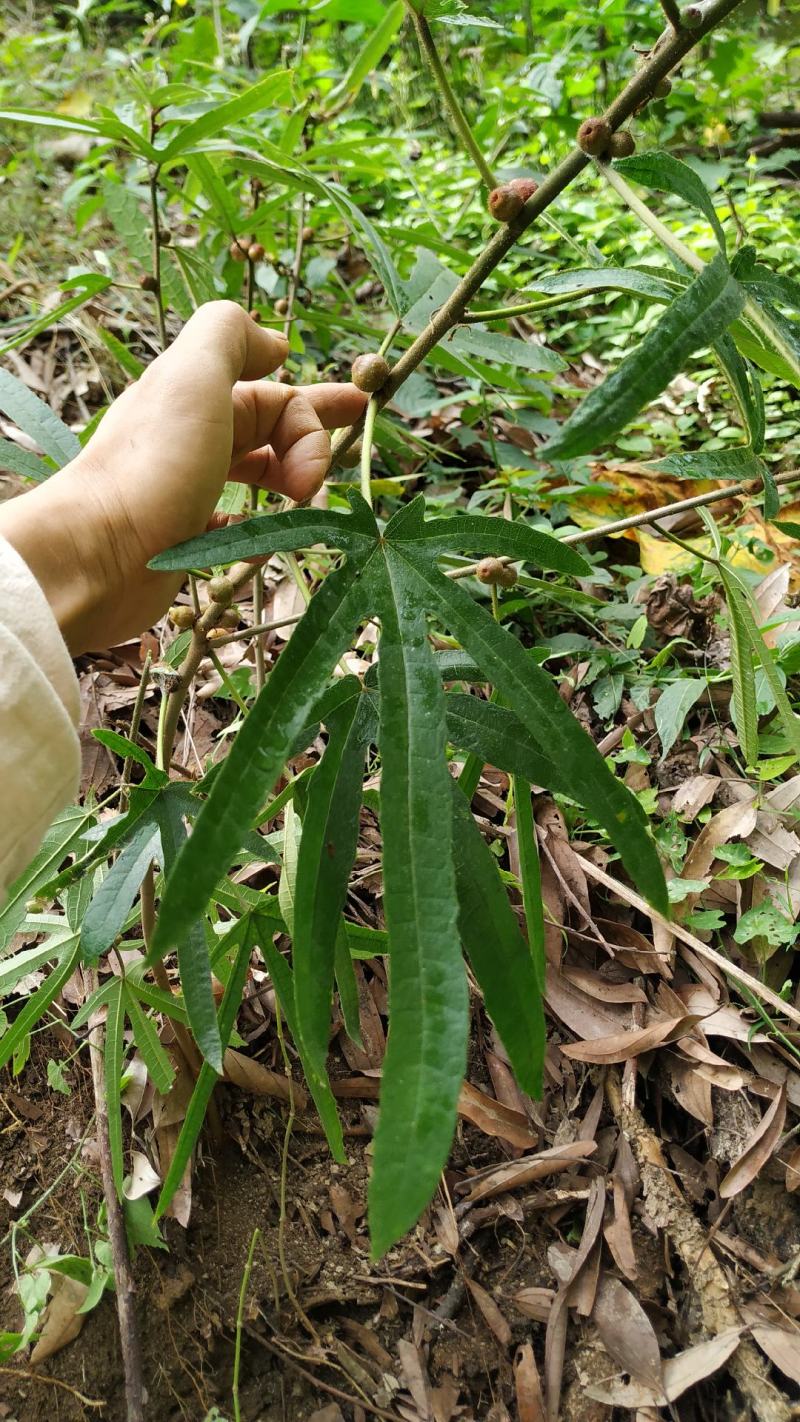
{"points": [[42, 528]]}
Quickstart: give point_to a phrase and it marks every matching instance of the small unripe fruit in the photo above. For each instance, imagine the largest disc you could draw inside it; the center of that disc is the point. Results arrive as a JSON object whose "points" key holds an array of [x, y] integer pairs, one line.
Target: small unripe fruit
{"points": [[308, 234], [256, 252], [230, 618], [221, 590], [181, 616], [663, 87], [281, 306], [255, 316], [495, 573], [238, 251], [214, 633], [594, 136], [148, 282], [164, 237], [352, 456], [525, 187], [692, 17], [504, 203], [622, 144], [369, 373]]}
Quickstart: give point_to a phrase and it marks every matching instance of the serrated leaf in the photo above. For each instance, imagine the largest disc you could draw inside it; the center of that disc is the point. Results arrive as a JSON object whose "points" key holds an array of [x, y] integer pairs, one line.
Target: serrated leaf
{"points": [[327, 851], [557, 734], [20, 461], [61, 838], [739, 594], [241, 937], [499, 738], [743, 680], [694, 320], [585, 280], [36, 419], [128, 219], [259, 751], [500, 957], [741, 462], [271, 533], [745, 388], [426, 1052], [666, 174], [530, 877], [159, 1066], [193, 958], [473, 533], [474, 341], [114, 899]]}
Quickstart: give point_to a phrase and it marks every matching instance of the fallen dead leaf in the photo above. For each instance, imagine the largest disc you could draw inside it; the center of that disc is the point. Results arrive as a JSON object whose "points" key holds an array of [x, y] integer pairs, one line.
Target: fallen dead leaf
{"points": [[792, 1170], [61, 1322], [679, 1374], [534, 1303], [622, 1046], [254, 1077], [521, 1172], [626, 1332], [758, 1150], [143, 1177], [495, 1119], [413, 1370], [782, 1347], [530, 1402], [491, 1313]]}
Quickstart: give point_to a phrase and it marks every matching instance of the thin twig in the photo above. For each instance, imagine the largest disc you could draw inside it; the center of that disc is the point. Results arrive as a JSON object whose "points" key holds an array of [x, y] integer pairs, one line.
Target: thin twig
{"points": [[337, 1392], [258, 607], [123, 1278], [460, 124], [257, 628], [237, 1347], [28, 1376], [672, 48], [155, 244], [672, 13], [136, 717]]}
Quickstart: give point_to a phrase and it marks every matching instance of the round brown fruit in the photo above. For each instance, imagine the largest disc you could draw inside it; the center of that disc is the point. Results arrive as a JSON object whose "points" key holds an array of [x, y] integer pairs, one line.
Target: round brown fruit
{"points": [[181, 616], [238, 251], [256, 252], [221, 590], [369, 373], [663, 87], [594, 136], [525, 187], [492, 572], [230, 618], [255, 316], [308, 234], [281, 306], [504, 203], [622, 144], [351, 458], [148, 282]]}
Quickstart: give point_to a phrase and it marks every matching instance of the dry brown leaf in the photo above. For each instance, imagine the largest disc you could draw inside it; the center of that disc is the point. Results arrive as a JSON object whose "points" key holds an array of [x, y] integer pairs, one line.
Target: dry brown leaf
{"points": [[621, 1046], [793, 1170], [530, 1403], [532, 1167], [61, 1322], [772, 842], [618, 1235], [627, 1333], [693, 795], [760, 1147], [582, 1014], [415, 1377], [734, 822], [600, 988], [491, 1313], [445, 1400], [331, 1413], [556, 1335], [534, 1303], [495, 1119], [678, 1373], [253, 1076], [782, 1347]]}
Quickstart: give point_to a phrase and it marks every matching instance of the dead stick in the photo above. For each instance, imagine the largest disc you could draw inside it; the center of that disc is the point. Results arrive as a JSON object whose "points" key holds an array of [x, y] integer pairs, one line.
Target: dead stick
{"points": [[123, 1279]]}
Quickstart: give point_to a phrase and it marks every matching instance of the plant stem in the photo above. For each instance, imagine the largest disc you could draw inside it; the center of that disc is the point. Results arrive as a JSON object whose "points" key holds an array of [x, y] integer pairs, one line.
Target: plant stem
{"points": [[258, 605], [673, 46], [460, 124], [507, 313], [366, 450], [672, 13], [155, 245], [123, 1279], [257, 629], [136, 717], [237, 1347]]}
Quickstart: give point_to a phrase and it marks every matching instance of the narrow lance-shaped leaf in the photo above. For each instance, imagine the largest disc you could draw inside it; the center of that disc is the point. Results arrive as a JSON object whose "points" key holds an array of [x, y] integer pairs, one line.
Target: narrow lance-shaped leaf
{"points": [[271, 90], [193, 960], [159, 1067], [633, 281], [530, 874], [534, 698], [38, 1003], [703, 311], [318, 1084], [270, 533], [428, 1007], [114, 1047], [369, 56], [497, 950], [258, 754], [20, 461], [240, 937], [747, 610], [744, 386], [666, 174], [87, 286], [471, 533], [37, 419], [741, 462], [499, 738], [327, 851], [113, 901], [743, 701], [346, 983]]}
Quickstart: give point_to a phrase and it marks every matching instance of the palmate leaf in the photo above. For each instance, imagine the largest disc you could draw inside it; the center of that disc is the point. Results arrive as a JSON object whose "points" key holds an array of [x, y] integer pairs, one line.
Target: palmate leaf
{"points": [[694, 319], [392, 576]]}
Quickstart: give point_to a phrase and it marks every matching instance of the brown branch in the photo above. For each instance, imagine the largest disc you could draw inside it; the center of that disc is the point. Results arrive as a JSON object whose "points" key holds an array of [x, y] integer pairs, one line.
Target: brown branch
{"points": [[672, 13], [673, 46]]}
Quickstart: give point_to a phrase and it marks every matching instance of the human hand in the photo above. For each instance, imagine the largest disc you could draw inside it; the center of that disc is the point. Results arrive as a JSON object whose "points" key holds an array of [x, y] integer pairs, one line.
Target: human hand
{"points": [[153, 472]]}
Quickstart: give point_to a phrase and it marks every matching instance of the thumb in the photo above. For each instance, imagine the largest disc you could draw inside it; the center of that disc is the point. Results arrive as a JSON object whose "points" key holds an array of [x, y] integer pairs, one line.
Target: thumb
{"points": [[221, 340]]}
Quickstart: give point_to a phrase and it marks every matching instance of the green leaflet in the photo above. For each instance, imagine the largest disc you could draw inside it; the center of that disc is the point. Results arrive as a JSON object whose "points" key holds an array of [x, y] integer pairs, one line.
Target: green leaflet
{"points": [[19, 965], [20, 461], [547, 720], [740, 462], [637, 282], [145, 1034], [258, 754], [499, 738], [193, 959], [426, 1052], [666, 174], [739, 594], [693, 320], [745, 387], [39, 1001], [133, 229], [113, 901], [37, 420], [318, 1084], [114, 1048], [86, 286], [60, 840], [275, 533], [241, 937], [346, 982], [742, 671], [327, 851], [368, 57], [275, 89], [672, 708], [471, 533], [530, 876], [500, 957]]}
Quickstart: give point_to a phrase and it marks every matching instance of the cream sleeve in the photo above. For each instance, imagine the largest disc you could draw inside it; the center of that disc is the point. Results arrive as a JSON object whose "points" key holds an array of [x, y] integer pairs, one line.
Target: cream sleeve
{"points": [[39, 713]]}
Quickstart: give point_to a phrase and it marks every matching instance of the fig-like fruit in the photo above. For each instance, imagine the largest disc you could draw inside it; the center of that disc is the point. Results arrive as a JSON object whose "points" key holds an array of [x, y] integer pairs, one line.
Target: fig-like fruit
{"points": [[369, 373]]}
